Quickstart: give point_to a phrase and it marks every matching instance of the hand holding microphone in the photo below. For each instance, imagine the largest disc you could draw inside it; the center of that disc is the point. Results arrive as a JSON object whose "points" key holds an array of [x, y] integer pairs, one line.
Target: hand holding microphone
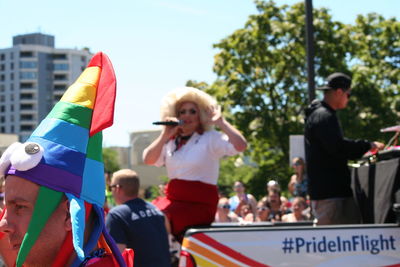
{"points": [[171, 127], [169, 123]]}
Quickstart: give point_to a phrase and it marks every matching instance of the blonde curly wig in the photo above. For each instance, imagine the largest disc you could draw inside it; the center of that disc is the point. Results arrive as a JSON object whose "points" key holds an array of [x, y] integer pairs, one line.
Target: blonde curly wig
{"points": [[174, 99]]}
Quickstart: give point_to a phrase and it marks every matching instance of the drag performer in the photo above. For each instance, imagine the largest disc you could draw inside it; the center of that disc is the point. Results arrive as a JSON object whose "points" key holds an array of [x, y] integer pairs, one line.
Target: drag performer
{"points": [[55, 188], [191, 152]]}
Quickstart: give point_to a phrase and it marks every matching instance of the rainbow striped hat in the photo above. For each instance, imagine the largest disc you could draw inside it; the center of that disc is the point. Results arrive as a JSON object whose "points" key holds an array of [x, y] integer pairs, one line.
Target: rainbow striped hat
{"points": [[64, 156]]}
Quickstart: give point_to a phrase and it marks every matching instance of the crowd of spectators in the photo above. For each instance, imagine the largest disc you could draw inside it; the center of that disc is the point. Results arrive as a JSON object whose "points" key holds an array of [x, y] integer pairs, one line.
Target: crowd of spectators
{"points": [[240, 206], [244, 208]]}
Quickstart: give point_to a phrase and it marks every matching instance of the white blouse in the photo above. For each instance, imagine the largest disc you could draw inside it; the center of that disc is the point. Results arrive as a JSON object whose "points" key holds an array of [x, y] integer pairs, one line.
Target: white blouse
{"points": [[198, 159]]}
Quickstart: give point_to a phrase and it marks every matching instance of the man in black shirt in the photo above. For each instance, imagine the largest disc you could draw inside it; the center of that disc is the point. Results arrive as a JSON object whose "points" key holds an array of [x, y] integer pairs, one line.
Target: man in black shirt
{"points": [[327, 153], [137, 224]]}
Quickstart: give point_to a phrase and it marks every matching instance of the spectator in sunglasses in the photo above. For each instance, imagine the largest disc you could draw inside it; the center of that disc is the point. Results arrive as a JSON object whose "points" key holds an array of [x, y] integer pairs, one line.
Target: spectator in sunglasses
{"points": [[191, 151], [262, 212], [224, 214]]}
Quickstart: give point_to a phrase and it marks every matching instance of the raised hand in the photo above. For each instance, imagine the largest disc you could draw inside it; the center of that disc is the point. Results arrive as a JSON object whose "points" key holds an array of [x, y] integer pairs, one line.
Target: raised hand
{"points": [[216, 116]]}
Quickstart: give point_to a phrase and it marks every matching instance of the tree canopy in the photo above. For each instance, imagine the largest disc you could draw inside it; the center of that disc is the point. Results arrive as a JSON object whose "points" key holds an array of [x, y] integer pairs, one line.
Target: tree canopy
{"points": [[110, 159], [262, 81]]}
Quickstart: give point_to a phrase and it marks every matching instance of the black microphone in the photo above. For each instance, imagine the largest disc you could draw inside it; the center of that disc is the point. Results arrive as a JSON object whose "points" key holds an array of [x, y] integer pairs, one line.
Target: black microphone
{"points": [[168, 123]]}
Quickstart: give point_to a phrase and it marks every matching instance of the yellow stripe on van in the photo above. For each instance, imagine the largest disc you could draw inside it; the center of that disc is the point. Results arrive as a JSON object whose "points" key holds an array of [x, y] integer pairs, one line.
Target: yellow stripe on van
{"points": [[202, 262]]}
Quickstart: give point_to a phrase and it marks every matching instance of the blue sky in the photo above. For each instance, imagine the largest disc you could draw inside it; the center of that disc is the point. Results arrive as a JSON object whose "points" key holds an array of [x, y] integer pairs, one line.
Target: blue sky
{"points": [[155, 45]]}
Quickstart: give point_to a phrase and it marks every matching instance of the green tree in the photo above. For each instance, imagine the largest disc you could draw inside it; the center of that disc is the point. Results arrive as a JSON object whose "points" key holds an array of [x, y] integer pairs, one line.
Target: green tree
{"points": [[375, 65], [110, 158], [262, 80]]}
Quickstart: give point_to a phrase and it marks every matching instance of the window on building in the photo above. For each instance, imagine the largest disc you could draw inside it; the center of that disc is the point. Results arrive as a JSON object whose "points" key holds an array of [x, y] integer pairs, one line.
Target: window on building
{"points": [[12, 108], [2, 57], [2, 108], [11, 87], [60, 77], [26, 85], [28, 64], [2, 77], [12, 118], [11, 66], [26, 117], [2, 88], [2, 119], [26, 106], [60, 87], [2, 67], [12, 76], [61, 66], [26, 96], [26, 128], [25, 54], [28, 75], [12, 128], [59, 56], [2, 129]]}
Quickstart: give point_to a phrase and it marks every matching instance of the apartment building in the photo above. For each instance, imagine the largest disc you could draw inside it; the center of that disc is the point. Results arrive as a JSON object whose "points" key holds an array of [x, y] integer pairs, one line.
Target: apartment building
{"points": [[33, 77]]}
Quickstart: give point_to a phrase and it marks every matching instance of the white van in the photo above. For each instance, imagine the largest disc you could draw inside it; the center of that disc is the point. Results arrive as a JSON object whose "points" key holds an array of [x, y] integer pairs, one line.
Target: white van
{"points": [[292, 245]]}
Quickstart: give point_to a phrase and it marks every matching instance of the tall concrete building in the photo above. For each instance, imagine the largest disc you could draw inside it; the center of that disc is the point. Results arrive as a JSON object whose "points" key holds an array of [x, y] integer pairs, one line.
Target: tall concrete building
{"points": [[33, 77]]}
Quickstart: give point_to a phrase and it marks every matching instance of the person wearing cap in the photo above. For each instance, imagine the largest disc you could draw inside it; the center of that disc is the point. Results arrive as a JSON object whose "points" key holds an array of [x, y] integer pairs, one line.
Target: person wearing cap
{"points": [[191, 152], [54, 189], [273, 185], [327, 153]]}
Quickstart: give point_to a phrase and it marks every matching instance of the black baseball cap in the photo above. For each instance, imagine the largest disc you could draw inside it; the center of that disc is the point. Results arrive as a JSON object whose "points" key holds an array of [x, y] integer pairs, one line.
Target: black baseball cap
{"points": [[335, 81]]}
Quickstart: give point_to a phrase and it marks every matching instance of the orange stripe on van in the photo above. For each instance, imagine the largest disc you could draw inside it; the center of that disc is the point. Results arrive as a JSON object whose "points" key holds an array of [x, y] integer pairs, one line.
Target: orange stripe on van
{"points": [[220, 259]]}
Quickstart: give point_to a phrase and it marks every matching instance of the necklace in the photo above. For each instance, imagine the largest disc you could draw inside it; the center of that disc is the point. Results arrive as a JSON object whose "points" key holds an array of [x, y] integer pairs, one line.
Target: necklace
{"points": [[181, 140]]}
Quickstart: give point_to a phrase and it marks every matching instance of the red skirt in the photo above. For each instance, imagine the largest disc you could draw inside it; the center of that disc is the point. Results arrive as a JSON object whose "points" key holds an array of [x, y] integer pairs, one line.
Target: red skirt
{"points": [[188, 203]]}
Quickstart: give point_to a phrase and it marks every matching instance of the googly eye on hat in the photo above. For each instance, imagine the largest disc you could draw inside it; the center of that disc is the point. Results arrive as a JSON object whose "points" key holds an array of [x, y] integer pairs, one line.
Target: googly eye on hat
{"points": [[27, 156]]}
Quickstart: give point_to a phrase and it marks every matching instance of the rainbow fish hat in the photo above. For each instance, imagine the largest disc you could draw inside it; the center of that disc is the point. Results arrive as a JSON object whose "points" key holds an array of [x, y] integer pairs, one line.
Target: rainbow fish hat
{"points": [[64, 156]]}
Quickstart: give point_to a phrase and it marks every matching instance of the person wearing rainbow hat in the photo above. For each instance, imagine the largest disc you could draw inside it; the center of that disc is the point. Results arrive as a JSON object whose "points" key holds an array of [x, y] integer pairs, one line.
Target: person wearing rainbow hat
{"points": [[55, 188]]}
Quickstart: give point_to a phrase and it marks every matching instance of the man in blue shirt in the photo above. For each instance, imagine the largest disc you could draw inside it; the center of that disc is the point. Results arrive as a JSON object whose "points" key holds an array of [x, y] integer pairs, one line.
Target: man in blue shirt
{"points": [[137, 224]]}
